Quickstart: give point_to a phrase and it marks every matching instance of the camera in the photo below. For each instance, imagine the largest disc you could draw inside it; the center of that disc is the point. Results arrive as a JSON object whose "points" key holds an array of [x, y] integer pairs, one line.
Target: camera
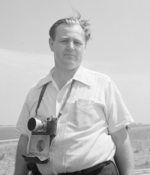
{"points": [[42, 135], [39, 127]]}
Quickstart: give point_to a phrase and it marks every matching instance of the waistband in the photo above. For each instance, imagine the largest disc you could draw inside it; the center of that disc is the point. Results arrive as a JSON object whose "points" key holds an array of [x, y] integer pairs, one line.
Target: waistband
{"points": [[88, 170]]}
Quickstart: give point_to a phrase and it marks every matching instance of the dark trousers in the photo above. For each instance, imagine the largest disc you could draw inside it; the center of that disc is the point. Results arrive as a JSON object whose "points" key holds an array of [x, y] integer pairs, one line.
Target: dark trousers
{"points": [[108, 169]]}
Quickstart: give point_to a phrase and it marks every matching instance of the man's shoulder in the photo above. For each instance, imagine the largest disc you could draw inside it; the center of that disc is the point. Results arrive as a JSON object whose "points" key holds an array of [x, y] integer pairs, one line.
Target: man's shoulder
{"points": [[97, 75], [40, 82], [36, 87]]}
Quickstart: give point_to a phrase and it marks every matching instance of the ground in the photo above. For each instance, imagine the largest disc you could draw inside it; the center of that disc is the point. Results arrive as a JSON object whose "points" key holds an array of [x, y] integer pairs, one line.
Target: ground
{"points": [[140, 141]]}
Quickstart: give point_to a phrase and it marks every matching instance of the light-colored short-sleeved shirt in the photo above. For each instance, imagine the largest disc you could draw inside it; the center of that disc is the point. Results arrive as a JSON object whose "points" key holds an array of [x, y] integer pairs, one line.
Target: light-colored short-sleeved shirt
{"points": [[93, 110]]}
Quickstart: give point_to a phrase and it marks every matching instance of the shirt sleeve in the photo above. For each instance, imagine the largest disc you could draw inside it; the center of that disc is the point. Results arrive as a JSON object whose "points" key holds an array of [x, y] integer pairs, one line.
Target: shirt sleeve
{"points": [[117, 113], [21, 126]]}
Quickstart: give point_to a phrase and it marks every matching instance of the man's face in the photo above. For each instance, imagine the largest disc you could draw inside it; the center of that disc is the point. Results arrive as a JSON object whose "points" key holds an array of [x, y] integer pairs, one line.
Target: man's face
{"points": [[68, 46]]}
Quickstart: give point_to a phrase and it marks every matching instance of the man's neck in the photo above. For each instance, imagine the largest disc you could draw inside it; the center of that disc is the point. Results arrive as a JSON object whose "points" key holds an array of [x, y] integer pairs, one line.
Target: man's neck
{"points": [[61, 77]]}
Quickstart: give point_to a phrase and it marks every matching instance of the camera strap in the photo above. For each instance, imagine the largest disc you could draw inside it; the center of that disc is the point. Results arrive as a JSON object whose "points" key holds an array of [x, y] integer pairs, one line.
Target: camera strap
{"points": [[63, 105], [35, 155], [40, 97]]}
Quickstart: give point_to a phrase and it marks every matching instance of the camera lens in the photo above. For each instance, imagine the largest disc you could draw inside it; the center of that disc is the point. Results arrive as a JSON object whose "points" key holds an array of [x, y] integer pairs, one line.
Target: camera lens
{"points": [[31, 124]]}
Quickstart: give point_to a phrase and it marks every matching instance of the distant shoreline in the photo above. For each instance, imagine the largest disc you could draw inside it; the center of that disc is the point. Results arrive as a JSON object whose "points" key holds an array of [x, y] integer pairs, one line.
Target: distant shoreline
{"points": [[8, 132], [130, 126], [4, 126]]}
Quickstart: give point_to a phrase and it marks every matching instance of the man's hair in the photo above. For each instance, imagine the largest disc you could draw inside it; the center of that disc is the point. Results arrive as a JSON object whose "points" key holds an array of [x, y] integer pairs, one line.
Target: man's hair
{"points": [[76, 19]]}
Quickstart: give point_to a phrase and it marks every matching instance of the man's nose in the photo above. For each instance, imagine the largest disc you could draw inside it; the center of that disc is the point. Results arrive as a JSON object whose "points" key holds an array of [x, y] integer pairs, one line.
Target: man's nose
{"points": [[70, 45]]}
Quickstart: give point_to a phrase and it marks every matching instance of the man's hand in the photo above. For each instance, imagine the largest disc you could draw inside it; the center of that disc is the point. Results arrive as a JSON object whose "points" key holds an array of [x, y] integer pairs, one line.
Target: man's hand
{"points": [[124, 155], [20, 164]]}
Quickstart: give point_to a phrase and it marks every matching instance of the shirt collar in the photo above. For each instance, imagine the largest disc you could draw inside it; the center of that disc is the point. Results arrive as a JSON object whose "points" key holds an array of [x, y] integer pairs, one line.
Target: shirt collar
{"points": [[46, 79], [81, 76]]}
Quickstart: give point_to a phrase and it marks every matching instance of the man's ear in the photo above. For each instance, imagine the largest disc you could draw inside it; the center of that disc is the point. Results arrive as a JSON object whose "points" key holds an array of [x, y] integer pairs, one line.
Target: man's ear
{"points": [[51, 44]]}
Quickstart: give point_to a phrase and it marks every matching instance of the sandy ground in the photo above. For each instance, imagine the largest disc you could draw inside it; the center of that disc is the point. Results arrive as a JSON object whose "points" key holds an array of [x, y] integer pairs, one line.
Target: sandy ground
{"points": [[7, 158], [8, 152]]}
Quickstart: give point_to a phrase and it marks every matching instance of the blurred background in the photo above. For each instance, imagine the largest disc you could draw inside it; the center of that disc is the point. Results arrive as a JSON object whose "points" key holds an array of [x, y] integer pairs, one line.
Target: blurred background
{"points": [[120, 48]]}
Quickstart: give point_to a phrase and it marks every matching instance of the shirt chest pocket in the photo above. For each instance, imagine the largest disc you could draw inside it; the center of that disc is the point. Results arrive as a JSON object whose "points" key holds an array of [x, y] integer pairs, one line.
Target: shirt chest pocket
{"points": [[83, 114]]}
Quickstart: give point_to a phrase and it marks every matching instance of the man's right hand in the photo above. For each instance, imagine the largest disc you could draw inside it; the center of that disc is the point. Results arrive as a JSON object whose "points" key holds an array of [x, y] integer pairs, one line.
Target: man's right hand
{"points": [[20, 164]]}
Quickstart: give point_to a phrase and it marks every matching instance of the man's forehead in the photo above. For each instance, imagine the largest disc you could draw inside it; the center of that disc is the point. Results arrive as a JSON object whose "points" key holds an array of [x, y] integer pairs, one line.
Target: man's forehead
{"points": [[63, 29]]}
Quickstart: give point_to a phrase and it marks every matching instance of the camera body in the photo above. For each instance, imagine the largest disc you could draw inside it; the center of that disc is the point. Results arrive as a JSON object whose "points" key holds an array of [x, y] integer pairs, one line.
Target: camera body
{"points": [[42, 135], [39, 127]]}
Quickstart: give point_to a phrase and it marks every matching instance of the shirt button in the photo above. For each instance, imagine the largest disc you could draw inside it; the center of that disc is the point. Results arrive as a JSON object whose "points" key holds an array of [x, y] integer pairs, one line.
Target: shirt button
{"points": [[59, 100], [52, 149]]}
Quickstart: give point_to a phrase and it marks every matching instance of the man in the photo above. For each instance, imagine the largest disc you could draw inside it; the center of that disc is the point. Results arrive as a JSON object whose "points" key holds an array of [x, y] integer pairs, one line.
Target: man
{"points": [[92, 118]]}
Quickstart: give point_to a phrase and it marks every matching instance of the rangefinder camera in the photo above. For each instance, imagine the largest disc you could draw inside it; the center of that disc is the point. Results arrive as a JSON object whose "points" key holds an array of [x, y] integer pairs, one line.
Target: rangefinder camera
{"points": [[39, 127]]}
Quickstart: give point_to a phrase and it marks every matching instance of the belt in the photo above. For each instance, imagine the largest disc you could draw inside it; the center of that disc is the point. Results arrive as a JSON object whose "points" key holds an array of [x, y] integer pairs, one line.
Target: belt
{"points": [[88, 170]]}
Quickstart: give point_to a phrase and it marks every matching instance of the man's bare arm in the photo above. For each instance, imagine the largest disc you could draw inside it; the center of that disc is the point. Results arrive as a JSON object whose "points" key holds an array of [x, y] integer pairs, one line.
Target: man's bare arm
{"points": [[124, 155], [20, 164]]}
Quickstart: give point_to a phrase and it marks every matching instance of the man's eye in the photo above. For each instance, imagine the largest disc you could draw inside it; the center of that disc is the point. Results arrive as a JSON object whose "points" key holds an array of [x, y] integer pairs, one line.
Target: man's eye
{"points": [[64, 41], [78, 43]]}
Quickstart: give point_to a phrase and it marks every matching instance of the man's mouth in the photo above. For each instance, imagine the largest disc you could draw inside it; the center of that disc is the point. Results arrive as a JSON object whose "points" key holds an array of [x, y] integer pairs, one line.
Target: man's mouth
{"points": [[71, 55]]}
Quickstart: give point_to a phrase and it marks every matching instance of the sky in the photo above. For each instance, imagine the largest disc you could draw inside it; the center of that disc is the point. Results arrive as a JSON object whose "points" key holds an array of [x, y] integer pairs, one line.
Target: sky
{"points": [[119, 48]]}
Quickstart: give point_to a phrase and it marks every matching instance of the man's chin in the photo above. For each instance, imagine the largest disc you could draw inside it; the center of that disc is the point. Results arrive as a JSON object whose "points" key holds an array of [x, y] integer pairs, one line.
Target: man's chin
{"points": [[71, 66]]}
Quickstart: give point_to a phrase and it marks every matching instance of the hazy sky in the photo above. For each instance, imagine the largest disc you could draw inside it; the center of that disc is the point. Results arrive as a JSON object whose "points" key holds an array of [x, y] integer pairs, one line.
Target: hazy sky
{"points": [[120, 48]]}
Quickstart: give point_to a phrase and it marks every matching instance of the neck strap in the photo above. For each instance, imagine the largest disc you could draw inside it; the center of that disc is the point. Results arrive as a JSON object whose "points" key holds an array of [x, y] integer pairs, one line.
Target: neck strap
{"points": [[40, 97], [65, 101]]}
